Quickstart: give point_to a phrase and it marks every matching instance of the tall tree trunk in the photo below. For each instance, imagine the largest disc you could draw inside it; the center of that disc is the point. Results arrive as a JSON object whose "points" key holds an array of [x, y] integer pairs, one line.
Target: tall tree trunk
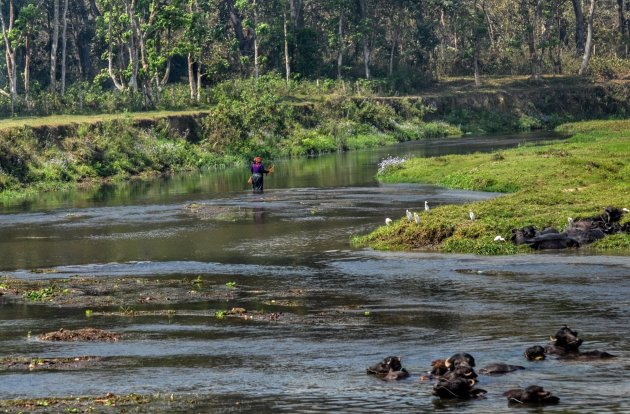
{"points": [[119, 84], [340, 51], [530, 35], [488, 23], [27, 67], [191, 77], [588, 48], [366, 40], [392, 50], [244, 37], [64, 42], [296, 8], [53, 48], [476, 61], [199, 75], [256, 67], [134, 53], [287, 65], [557, 57], [622, 18], [579, 27], [9, 53]]}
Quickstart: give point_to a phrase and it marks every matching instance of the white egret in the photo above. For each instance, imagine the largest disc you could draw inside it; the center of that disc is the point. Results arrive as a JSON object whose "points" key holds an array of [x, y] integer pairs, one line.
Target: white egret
{"points": [[388, 221], [471, 215], [416, 217], [570, 221], [499, 238], [409, 216], [426, 206], [625, 210]]}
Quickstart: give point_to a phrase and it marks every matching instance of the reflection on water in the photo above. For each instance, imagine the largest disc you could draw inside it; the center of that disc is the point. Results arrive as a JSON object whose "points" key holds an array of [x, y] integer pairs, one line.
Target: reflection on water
{"points": [[340, 310]]}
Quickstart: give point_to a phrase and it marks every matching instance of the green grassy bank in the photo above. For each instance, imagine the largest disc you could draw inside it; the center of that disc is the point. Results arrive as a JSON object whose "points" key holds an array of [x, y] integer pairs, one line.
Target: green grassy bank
{"points": [[267, 117], [543, 186], [245, 119]]}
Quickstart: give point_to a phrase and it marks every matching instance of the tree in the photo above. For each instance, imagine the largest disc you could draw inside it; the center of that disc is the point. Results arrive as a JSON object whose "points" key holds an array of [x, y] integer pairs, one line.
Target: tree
{"points": [[579, 27], [64, 44], [9, 51], [588, 48], [25, 30], [53, 48], [365, 36]]}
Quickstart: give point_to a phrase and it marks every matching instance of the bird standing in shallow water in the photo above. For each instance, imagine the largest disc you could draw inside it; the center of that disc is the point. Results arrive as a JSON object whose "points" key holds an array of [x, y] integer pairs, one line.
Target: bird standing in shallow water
{"points": [[471, 215], [426, 206], [416, 217], [388, 221]]}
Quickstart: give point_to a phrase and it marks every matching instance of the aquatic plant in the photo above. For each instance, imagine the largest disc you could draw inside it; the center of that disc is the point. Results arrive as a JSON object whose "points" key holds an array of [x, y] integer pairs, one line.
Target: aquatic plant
{"points": [[42, 294], [231, 285], [220, 314]]}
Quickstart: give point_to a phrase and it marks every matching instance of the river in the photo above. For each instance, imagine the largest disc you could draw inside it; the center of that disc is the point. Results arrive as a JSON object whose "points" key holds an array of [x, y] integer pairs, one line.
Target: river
{"points": [[337, 310]]}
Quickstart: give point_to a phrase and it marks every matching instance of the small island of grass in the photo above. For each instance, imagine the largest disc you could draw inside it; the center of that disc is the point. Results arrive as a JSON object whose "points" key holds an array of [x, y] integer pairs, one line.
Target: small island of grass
{"points": [[543, 186]]}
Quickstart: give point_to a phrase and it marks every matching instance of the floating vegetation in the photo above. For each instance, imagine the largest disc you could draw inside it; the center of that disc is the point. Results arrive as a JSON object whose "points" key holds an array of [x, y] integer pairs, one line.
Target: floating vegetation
{"points": [[44, 294]]}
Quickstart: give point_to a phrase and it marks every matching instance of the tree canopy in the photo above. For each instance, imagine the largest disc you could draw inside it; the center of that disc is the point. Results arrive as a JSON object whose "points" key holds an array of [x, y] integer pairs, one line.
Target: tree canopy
{"points": [[141, 46]]}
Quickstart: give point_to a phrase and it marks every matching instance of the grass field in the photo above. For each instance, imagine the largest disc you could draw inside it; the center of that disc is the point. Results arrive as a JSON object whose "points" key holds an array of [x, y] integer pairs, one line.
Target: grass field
{"points": [[543, 186]]}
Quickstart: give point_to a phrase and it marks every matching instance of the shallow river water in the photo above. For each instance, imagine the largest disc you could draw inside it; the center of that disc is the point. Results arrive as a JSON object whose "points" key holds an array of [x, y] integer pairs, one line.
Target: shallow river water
{"points": [[336, 310]]}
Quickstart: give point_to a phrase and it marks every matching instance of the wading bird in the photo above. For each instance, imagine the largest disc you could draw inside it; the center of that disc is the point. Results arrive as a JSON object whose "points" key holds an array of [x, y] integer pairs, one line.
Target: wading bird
{"points": [[499, 238], [388, 221], [426, 206], [471, 215], [409, 216], [416, 217]]}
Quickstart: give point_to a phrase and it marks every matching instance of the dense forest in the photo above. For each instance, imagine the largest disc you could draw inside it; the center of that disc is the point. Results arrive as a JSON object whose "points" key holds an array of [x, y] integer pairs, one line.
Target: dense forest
{"points": [[63, 53]]}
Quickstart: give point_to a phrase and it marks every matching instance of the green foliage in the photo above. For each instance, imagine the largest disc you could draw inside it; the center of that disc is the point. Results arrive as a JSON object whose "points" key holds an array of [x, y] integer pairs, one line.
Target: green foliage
{"points": [[43, 294], [616, 243], [311, 142], [609, 68], [247, 116]]}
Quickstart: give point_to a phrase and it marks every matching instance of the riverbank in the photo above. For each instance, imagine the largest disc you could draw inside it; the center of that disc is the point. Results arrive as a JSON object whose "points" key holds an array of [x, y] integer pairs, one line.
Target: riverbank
{"points": [[269, 119], [543, 186], [246, 119]]}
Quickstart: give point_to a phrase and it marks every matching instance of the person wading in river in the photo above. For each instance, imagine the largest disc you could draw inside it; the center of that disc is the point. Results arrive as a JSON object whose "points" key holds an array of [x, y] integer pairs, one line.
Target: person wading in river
{"points": [[258, 169]]}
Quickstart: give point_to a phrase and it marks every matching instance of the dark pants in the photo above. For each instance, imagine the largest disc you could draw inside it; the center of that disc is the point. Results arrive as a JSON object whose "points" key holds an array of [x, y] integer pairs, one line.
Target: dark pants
{"points": [[257, 182]]}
